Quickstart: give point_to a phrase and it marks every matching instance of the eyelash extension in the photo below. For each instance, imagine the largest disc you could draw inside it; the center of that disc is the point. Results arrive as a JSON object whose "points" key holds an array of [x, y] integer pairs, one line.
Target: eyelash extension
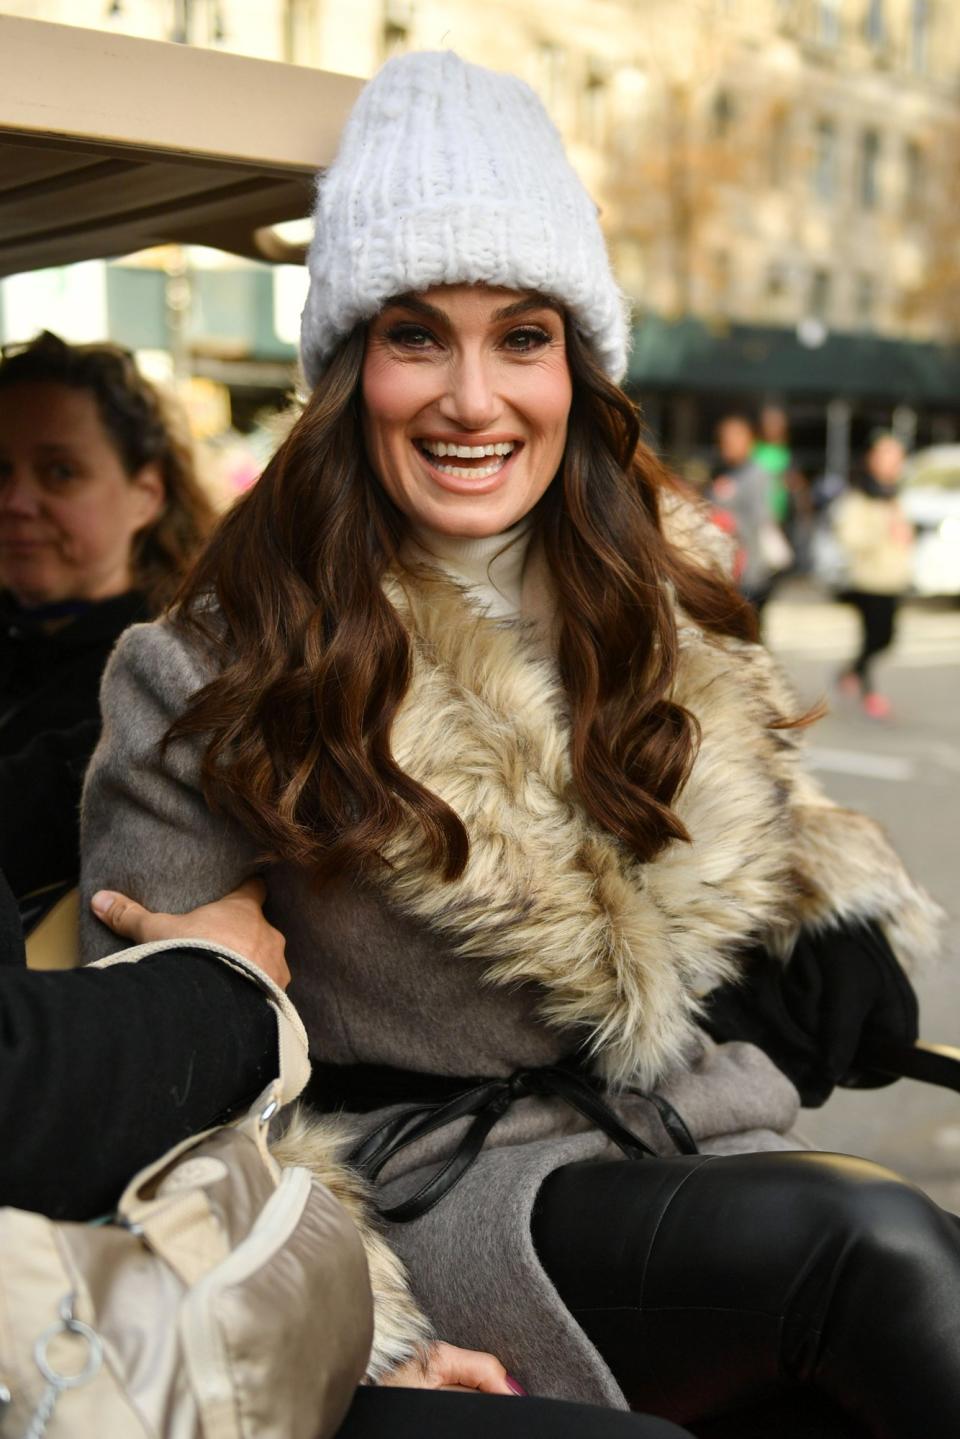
{"points": [[533, 332], [404, 329]]}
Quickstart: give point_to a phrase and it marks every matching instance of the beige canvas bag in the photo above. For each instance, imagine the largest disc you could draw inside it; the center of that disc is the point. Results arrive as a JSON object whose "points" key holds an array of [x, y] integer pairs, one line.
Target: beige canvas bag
{"points": [[227, 1298]]}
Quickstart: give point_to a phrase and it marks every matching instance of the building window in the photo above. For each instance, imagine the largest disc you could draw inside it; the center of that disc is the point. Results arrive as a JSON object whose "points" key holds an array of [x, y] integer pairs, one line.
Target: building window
{"points": [[396, 27], [828, 22], [920, 35], [870, 170], [821, 294], [630, 256], [722, 114], [299, 27], [776, 282], [720, 280], [181, 29], [779, 152], [865, 300], [874, 24], [824, 160], [595, 108], [914, 178], [395, 38], [552, 65]]}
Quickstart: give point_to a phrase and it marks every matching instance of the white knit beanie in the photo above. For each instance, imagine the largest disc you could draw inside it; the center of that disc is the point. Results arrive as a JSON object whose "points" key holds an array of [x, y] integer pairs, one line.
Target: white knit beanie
{"points": [[448, 174]]}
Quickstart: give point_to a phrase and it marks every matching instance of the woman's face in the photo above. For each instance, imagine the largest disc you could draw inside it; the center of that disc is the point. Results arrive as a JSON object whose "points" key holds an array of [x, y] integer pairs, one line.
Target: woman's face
{"points": [[68, 509], [885, 460], [466, 396]]}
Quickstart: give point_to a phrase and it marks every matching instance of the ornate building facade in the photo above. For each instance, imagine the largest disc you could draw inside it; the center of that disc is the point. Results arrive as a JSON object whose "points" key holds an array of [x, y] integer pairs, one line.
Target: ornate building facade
{"points": [[770, 167]]}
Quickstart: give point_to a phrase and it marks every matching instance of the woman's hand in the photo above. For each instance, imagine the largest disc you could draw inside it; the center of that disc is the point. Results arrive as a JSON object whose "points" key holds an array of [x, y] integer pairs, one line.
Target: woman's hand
{"points": [[236, 922], [446, 1367]]}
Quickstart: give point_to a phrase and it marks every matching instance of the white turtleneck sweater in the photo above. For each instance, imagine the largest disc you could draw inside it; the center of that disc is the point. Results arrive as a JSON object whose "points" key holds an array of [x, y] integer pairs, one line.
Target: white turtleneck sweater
{"points": [[491, 569]]}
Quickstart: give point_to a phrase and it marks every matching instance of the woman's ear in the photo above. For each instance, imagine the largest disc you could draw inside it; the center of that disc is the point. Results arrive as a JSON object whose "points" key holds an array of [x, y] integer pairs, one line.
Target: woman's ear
{"points": [[150, 494]]}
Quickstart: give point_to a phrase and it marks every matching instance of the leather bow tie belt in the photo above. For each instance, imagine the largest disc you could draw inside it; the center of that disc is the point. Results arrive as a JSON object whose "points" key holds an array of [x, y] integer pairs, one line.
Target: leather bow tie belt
{"points": [[485, 1102]]}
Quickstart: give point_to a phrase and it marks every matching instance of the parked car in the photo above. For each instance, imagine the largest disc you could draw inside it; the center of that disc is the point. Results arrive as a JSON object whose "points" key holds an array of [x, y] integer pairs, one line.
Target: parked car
{"points": [[931, 499]]}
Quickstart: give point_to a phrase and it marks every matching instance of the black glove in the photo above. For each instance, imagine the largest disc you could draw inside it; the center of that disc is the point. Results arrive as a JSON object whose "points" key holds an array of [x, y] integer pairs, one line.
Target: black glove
{"points": [[840, 992]]}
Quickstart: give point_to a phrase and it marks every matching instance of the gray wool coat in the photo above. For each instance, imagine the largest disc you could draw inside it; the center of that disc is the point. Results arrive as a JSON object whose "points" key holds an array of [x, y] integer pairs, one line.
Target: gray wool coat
{"points": [[553, 936]]}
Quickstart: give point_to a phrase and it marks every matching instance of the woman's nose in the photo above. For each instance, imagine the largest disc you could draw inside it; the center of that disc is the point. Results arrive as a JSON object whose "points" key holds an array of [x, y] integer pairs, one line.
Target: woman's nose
{"points": [[18, 494], [471, 401]]}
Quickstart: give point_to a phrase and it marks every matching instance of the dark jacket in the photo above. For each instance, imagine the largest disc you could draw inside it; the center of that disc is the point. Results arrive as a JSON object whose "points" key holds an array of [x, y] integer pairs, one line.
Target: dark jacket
{"points": [[49, 726], [103, 1070]]}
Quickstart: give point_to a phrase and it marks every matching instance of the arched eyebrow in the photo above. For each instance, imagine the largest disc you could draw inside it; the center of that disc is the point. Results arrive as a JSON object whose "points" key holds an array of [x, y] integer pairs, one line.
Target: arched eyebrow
{"points": [[523, 306], [530, 302]]}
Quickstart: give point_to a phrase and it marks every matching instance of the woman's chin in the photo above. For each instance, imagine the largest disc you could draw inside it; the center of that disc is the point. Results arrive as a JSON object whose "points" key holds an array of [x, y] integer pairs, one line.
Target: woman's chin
{"points": [[473, 520], [30, 585]]}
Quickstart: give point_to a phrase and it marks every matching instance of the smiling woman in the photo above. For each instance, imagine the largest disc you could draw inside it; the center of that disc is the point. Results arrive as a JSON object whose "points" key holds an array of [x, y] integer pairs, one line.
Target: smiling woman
{"points": [[477, 380], [467, 675]]}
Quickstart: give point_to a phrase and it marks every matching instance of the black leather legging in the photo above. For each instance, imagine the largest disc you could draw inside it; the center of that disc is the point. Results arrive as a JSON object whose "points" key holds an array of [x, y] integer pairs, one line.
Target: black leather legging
{"points": [[413, 1414], [711, 1284]]}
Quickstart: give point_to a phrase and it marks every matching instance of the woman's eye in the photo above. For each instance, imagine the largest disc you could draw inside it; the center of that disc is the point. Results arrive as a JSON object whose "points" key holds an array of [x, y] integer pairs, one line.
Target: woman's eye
{"points": [[58, 473], [414, 337], [529, 338]]}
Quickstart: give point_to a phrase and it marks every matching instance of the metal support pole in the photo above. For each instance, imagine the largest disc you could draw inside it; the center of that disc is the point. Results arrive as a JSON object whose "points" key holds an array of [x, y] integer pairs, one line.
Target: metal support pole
{"points": [[839, 413], [178, 301]]}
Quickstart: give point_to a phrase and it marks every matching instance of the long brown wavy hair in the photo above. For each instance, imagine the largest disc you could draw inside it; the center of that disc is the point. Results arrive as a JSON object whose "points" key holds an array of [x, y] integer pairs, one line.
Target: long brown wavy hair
{"points": [[144, 426], [313, 661]]}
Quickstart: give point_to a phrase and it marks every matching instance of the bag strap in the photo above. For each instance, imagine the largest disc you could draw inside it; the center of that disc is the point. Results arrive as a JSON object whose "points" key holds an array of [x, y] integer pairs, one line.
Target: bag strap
{"points": [[184, 1233], [291, 1036], [181, 1228]]}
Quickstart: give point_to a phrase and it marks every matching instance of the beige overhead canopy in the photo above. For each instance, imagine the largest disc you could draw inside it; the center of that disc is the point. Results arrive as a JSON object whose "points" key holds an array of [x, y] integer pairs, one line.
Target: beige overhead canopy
{"points": [[109, 144]]}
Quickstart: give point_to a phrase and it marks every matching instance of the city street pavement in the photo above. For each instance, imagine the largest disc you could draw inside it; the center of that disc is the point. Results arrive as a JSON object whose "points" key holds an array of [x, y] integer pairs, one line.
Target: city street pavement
{"points": [[905, 772]]}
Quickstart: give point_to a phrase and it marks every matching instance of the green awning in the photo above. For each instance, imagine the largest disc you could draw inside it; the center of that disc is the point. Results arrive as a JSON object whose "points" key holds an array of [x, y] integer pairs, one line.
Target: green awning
{"points": [[690, 355]]}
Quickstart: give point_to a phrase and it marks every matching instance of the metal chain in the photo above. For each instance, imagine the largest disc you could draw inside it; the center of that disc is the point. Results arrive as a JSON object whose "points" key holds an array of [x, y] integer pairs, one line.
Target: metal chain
{"points": [[43, 1413], [57, 1382]]}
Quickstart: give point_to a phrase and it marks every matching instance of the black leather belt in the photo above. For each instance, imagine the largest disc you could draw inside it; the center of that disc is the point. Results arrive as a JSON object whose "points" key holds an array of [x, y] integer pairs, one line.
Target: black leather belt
{"points": [[485, 1101]]}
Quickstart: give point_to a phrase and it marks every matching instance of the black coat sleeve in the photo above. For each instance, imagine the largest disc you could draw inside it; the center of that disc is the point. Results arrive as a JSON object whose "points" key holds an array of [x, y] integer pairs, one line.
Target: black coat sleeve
{"points": [[102, 1070], [40, 787]]}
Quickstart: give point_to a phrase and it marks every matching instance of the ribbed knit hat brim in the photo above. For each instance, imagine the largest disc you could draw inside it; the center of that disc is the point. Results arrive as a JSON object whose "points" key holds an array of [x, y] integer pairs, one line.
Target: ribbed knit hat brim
{"points": [[449, 174]]}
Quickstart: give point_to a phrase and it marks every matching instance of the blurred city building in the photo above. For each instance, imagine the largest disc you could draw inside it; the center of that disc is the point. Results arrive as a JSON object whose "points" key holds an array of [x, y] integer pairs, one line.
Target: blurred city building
{"points": [[778, 180]]}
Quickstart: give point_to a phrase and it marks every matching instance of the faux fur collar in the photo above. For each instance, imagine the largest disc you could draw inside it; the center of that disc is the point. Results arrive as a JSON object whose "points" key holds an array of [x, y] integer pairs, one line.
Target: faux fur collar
{"points": [[620, 951]]}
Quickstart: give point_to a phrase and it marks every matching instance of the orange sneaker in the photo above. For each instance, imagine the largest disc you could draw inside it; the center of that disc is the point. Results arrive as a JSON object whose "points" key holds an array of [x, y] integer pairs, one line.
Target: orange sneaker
{"points": [[877, 707], [849, 686]]}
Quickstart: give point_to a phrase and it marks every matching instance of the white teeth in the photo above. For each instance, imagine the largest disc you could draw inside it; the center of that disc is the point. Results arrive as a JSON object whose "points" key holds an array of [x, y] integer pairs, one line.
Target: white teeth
{"points": [[476, 472], [442, 449]]}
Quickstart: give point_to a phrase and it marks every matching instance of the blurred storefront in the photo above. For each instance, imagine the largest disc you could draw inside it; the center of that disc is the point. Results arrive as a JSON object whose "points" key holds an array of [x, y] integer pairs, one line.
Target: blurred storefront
{"points": [[778, 181], [837, 387]]}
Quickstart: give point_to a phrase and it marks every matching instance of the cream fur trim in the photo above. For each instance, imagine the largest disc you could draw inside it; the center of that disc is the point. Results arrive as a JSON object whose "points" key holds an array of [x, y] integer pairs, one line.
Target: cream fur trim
{"points": [[400, 1330], [621, 952]]}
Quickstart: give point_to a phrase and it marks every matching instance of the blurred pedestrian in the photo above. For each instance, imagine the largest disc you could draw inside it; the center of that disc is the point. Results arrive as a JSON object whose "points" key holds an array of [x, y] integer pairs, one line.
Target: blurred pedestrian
{"points": [[877, 539], [742, 496], [101, 513], [772, 453], [790, 500]]}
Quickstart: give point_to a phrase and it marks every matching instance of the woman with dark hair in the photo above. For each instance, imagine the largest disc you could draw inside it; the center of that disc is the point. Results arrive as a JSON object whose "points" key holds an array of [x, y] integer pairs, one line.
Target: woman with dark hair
{"points": [[101, 513], [466, 671], [877, 538]]}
